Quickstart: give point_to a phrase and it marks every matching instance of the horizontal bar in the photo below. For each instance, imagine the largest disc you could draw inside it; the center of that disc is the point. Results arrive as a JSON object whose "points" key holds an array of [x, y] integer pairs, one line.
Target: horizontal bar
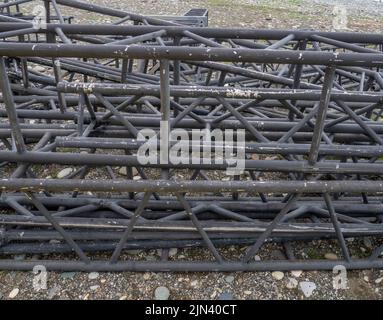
{"points": [[207, 32], [190, 186], [191, 53], [160, 266]]}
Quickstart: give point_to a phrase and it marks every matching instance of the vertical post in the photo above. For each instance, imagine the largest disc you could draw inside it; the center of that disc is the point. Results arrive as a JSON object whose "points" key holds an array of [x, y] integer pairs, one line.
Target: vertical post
{"points": [[165, 115], [124, 70], [24, 66], [5, 88], [176, 71], [51, 38], [321, 117]]}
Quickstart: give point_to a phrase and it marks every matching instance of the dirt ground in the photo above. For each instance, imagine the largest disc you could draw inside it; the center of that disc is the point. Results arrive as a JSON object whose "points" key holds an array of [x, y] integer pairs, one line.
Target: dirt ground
{"points": [[366, 284]]}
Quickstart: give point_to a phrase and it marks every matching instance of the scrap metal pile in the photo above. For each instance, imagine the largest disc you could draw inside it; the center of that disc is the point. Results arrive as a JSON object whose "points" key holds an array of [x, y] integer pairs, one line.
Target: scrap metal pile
{"points": [[76, 97]]}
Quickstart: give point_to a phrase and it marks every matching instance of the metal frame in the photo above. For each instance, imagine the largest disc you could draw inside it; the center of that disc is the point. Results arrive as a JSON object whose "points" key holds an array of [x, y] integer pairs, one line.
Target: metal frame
{"points": [[77, 95]]}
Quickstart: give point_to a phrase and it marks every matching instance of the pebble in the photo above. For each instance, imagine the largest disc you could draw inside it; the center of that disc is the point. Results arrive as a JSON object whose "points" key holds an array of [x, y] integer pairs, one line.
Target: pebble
{"points": [[123, 298], [278, 275], [68, 275], [161, 293], [64, 173], [296, 273], [247, 292], [365, 278], [379, 280], [257, 258], [194, 283], [225, 296], [172, 252], [292, 283], [94, 288], [146, 276], [103, 281], [53, 291], [307, 288], [93, 275], [229, 279], [367, 242], [331, 256], [39, 69], [254, 156], [13, 293]]}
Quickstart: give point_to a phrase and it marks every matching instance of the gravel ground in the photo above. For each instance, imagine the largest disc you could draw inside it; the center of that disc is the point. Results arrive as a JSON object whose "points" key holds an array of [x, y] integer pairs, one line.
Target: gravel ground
{"points": [[367, 284]]}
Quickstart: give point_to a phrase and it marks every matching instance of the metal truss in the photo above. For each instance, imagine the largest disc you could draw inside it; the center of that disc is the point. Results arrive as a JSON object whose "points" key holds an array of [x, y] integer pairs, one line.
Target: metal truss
{"points": [[76, 96]]}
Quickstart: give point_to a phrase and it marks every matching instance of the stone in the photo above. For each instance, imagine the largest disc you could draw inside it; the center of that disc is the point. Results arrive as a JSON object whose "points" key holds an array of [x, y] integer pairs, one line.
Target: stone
{"points": [[277, 275], [94, 288], [257, 258], [39, 69], [64, 173], [14, 293], [331, 256], [379, 280], [292, 283], [367, 242], [146, 276], [229, 279], [93, 275], [194, 283], [172, 252], [225, 296], [247, 292], [254, 156], [161, 293], [296, 273], [307, 287], [52, 292], [68, 275], [123, 298]]}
